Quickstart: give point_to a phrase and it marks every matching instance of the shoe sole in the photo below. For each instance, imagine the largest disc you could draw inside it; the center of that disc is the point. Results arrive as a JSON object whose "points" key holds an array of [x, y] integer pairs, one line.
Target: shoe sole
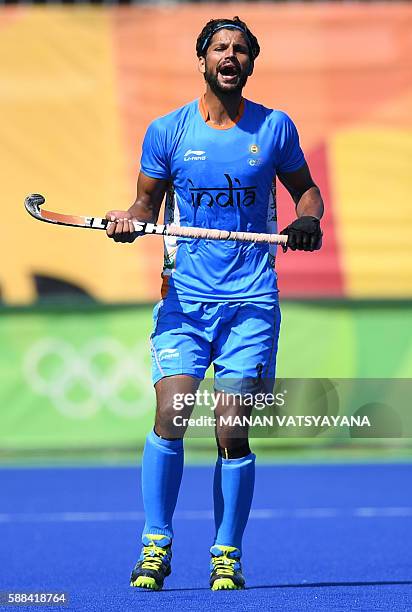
{"points": [[225, 584], [146, 582]]}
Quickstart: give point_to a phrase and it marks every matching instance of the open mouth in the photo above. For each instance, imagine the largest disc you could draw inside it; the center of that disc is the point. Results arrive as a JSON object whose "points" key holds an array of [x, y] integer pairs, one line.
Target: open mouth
{"points": [[229, 72]]}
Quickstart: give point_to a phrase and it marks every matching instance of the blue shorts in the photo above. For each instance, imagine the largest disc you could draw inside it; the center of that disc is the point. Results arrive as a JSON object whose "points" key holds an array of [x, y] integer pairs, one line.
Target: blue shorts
{"points": [[240, 339]]}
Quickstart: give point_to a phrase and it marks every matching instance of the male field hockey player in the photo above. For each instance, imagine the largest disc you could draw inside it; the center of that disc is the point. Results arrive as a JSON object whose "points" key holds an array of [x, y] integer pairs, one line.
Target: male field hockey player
{"points": [[216, 159]]}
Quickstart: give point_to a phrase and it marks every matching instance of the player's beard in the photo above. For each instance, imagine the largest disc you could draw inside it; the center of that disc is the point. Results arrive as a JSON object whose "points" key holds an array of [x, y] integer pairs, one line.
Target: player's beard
{"points": [[212, 80]]}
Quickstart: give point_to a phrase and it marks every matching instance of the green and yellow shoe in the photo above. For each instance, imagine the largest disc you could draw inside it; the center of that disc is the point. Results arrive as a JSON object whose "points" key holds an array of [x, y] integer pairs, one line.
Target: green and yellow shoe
{"points": [[154, 563], [225, 568]]}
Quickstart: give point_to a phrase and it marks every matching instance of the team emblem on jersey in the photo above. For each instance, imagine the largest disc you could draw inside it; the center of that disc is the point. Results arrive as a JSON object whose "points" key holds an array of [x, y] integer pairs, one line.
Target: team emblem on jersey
{"points": [[254, 149]]}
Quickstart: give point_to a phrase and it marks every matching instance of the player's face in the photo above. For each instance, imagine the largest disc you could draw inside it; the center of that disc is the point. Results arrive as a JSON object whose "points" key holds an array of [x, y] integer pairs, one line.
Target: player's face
{"points": [[227, 64]]}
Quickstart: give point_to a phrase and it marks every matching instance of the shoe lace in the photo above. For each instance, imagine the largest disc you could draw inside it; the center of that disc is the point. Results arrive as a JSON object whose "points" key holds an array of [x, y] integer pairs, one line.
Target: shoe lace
{"points": [[224, 565], [153, 556]]}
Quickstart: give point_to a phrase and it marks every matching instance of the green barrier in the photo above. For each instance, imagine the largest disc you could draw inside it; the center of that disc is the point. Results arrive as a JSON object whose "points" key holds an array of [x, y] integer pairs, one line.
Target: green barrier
{"points": [[78, 379], [81, 379]]}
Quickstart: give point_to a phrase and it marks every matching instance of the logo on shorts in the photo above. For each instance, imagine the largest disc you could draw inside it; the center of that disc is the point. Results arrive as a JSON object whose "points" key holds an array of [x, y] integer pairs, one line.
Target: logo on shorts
{"points": [[192, 155], [168, 354]]}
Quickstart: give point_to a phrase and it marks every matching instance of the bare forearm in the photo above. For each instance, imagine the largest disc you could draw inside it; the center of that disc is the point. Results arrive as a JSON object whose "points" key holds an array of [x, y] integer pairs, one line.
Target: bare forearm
{"points": [[149, 198], [146, 207], [143, 209], [310, 204]]}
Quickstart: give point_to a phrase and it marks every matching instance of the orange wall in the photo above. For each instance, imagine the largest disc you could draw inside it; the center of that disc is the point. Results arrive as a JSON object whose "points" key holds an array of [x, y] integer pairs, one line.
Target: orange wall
{"points": [[76, 98]]}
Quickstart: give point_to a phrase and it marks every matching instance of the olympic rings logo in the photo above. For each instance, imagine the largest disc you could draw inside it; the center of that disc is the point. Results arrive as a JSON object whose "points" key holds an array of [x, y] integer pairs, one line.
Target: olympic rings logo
{"points": [[101, 374]]}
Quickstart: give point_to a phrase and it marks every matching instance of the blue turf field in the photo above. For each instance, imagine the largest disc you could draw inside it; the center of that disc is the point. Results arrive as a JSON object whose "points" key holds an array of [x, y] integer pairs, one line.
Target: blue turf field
{"points": [[321, 537]]}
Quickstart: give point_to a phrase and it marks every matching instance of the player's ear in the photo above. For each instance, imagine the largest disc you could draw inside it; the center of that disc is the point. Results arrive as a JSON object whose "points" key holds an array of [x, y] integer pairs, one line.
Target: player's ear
{"points": [[201, 64], [250, 71]]}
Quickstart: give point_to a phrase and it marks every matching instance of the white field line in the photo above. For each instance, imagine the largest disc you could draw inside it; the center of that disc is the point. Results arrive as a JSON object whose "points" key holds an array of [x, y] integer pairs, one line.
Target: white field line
{"points": [[196, 515]]}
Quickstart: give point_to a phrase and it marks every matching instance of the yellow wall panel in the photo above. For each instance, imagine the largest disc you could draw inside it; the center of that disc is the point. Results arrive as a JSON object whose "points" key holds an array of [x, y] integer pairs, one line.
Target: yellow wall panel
{"points": [[60, 135], [372, 182]]}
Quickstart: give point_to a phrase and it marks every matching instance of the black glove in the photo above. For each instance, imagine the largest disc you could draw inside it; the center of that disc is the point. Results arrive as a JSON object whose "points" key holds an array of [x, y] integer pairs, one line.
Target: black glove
{"points": [[304, 234]]}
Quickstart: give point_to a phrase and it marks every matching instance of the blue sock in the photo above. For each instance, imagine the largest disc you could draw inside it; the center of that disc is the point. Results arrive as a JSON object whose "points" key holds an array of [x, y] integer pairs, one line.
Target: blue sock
{"points": [[162, 469], [233, 486]]}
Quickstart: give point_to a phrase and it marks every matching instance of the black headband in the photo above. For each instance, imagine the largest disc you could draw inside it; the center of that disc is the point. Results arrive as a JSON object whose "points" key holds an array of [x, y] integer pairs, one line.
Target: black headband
{"points": [[226, 26]]}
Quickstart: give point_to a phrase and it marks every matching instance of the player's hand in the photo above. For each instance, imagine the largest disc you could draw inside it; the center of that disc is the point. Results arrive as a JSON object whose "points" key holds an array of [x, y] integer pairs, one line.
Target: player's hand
{"points": [[304, 234], [121, 227]]}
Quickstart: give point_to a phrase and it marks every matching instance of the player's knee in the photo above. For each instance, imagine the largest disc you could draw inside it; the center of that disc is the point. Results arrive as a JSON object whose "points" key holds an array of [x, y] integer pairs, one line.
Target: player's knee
{"points": [[171, 422]]}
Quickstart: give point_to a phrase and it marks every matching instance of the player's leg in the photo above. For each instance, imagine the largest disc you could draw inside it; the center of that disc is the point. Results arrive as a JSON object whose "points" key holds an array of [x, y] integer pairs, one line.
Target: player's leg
{"points": [[162, 469], [179, 362], [233, 486], [234, 473], [162, 463], [245, 364]]}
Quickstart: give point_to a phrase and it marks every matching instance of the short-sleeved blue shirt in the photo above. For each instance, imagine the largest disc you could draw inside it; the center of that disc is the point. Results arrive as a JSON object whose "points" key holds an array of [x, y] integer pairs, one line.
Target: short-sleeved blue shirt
{"points": [[222, 179]]}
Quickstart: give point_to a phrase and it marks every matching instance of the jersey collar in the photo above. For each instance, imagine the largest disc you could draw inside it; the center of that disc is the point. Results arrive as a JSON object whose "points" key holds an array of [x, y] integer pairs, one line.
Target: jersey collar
{"points": [[203, 110]]}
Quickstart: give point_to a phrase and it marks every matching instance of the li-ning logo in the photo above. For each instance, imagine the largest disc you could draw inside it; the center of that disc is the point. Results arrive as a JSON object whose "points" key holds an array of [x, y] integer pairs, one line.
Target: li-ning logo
{"points": [[191, 155], [168, 354], [231, 195]]}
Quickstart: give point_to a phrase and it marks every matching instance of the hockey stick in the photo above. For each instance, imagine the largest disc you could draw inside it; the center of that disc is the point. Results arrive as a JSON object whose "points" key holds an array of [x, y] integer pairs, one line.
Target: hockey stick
{"points": [[34, 201]]}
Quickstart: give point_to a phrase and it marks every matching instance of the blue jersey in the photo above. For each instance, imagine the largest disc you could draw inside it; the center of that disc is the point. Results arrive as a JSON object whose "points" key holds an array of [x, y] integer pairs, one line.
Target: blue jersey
{"points": [[222, 179]]}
